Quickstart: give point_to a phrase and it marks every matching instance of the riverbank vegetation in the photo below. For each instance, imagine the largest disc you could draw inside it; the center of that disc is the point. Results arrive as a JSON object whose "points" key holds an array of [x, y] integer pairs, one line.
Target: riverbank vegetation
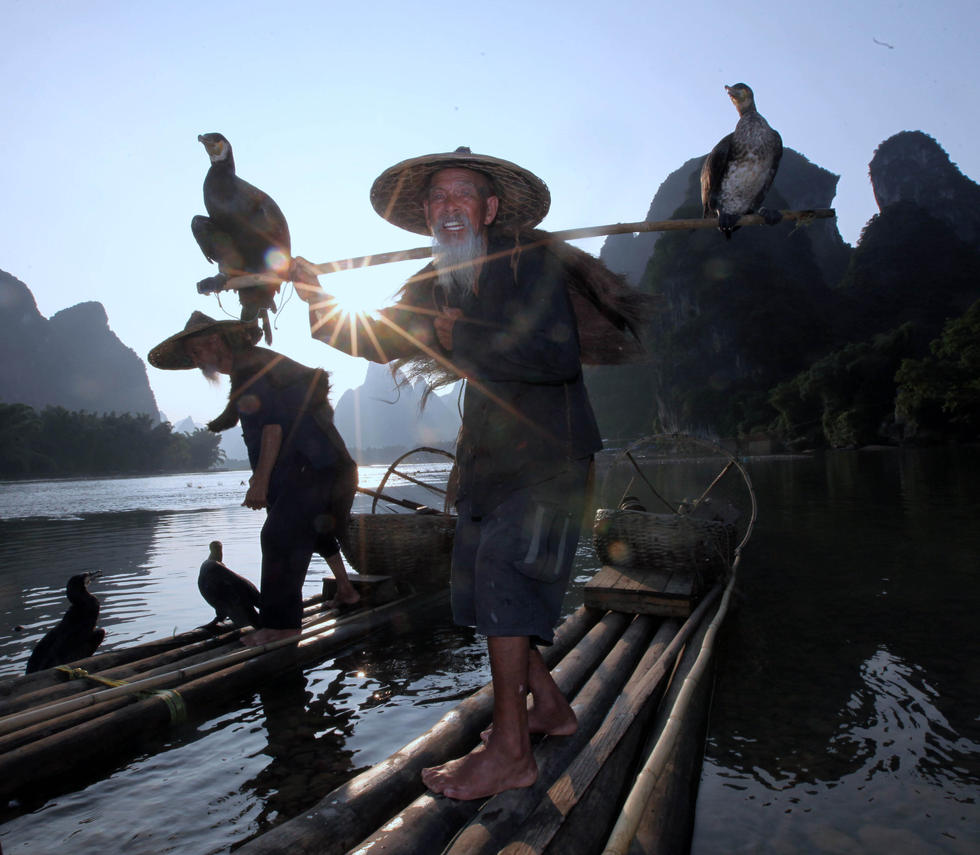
{"points": [[56, 442]]}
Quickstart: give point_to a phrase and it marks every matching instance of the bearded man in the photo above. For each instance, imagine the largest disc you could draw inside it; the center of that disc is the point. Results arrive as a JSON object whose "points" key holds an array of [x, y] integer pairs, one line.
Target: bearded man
{"points": [[496, 307]]}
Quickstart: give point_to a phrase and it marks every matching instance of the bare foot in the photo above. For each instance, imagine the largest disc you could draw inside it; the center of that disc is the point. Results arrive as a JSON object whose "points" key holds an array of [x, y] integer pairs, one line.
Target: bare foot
{"points": [[347, 596], [484, 772], [558, 720], [264, 636]]}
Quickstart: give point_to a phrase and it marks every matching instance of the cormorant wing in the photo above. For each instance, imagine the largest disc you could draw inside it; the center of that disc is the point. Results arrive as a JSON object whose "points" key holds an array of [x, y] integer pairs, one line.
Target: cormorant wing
{"points": [[261, 215], [712, 173], [773, 167]]}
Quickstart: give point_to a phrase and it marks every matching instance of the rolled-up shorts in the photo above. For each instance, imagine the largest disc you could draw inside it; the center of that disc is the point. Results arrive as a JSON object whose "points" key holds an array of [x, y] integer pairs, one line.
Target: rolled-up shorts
{"points": [[511, 566]]}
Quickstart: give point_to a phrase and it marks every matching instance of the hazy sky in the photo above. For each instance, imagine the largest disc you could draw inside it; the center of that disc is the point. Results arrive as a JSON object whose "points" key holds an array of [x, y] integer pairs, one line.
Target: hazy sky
{"points": [[101, 170]]}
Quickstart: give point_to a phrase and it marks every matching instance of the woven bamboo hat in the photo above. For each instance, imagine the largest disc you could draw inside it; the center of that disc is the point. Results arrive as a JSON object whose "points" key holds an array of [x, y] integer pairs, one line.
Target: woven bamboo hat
{"points": [[397, 193], [170, 354]]}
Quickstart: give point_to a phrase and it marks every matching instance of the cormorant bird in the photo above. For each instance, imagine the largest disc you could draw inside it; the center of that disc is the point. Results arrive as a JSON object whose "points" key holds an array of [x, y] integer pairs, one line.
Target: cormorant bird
{"points": [[229, 594], [75, 637], [245, 232], [739, 171]]}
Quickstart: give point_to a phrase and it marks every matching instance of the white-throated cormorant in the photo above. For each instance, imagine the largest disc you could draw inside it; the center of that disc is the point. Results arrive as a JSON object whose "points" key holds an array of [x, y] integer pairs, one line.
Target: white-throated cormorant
{"points": [[75, 637], [230, 595], [244, 232], [739, 171]]}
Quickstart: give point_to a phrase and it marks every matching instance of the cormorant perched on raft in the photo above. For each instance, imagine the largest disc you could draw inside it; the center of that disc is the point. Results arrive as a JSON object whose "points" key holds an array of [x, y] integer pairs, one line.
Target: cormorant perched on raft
{"points": [[230, 595], [245, 232], [75, 637], [739, 171]]}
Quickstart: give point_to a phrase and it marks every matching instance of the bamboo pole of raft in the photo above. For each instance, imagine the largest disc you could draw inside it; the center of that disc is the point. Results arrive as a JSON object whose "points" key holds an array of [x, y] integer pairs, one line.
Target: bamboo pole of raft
{"points": [[565, 793], [629, 819], [345, 815], [429, 823], [44, 758], [167, 679], [250, 280], [200, 644], [636, 651]]}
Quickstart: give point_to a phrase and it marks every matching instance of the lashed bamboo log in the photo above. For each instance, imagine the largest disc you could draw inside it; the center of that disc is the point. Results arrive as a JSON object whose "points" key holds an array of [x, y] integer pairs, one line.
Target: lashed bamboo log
{"points": [[356, 263], [201, 645], [548, 815], [649, 776], [506, 811], [44, 758], [668, 821], [344, 816], [430, 822], [167, 679]]}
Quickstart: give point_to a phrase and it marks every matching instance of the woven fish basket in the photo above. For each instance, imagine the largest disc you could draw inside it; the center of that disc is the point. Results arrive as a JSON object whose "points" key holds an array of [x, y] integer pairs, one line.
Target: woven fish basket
{"points": [[668, 542], [399, 544]]}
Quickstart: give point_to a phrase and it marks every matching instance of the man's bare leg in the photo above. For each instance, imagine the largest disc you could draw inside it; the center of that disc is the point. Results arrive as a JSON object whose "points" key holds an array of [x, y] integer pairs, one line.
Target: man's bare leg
{"points": [[346, 594], [549, 713], [505, 761]]}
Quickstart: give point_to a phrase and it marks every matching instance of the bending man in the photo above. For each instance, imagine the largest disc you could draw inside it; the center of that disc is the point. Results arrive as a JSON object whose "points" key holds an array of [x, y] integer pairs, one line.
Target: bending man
{"points": [[302, 474]]}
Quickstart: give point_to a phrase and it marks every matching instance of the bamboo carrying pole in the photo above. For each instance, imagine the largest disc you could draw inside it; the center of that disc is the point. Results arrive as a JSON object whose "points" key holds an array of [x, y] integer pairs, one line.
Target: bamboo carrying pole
{"points": [[356, 263]]}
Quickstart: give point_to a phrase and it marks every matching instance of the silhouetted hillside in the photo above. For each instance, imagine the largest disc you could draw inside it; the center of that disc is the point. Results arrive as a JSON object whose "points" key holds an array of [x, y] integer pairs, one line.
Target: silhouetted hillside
{"points": [[379, 415], [789, 322], [72, 360]]}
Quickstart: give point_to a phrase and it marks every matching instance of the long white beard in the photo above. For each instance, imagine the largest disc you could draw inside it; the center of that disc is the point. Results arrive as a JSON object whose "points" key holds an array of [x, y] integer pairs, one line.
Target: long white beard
{"points": [[455, 263]]}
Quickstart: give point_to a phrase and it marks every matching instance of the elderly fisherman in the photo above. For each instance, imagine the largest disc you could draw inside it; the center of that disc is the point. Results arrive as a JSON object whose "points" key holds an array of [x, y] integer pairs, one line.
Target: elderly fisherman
{"points": [[496, 307]]}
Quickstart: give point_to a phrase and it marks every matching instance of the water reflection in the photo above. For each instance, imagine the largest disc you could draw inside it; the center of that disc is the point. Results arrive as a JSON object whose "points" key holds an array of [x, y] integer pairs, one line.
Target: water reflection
{"points": [[306, 746], [848, 687]]}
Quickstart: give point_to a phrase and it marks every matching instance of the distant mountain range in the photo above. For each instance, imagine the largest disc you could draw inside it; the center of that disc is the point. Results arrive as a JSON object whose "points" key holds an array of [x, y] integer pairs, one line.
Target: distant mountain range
{"points": [[72, 360], [739, 317], [376, 416]]}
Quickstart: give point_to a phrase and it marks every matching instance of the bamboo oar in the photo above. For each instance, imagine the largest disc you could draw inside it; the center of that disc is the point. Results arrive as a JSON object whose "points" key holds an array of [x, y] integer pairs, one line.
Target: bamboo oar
{"points": [[565, 793], [629, 819], [345, 815], [802, 216]]}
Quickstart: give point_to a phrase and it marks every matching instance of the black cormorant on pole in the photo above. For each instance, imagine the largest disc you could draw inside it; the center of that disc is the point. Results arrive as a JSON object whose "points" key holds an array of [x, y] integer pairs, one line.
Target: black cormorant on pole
{"points": [[230, 595], [739, 171], [75, 637], [245, 232]]}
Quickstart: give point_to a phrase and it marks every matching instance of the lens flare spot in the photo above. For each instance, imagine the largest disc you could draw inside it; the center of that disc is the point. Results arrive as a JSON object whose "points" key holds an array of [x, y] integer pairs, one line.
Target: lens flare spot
{"points": [[276, 259]]}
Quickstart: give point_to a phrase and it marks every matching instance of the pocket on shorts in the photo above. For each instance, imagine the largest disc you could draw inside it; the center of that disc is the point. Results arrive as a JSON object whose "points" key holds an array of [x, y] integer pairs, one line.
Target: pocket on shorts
{"points": [[550, 533]]}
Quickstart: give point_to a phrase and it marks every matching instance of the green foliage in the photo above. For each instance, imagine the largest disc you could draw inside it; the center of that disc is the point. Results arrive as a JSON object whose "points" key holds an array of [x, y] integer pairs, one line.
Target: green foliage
{"points": [[57, 442], [940, 393], [846, 396]]}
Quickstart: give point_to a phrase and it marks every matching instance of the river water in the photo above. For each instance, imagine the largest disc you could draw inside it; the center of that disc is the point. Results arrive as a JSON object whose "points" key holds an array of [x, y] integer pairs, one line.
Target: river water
{"points": [[845, 715]]}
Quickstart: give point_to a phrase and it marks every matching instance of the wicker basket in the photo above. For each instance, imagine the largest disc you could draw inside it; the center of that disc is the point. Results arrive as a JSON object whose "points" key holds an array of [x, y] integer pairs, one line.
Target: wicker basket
{"points": [[641, 540], [400, 544]]}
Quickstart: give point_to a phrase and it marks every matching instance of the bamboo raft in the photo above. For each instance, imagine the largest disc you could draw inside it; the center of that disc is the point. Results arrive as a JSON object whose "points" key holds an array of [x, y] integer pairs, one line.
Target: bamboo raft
{"points": [[56, 722], [639, 677], [635, 661]]}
